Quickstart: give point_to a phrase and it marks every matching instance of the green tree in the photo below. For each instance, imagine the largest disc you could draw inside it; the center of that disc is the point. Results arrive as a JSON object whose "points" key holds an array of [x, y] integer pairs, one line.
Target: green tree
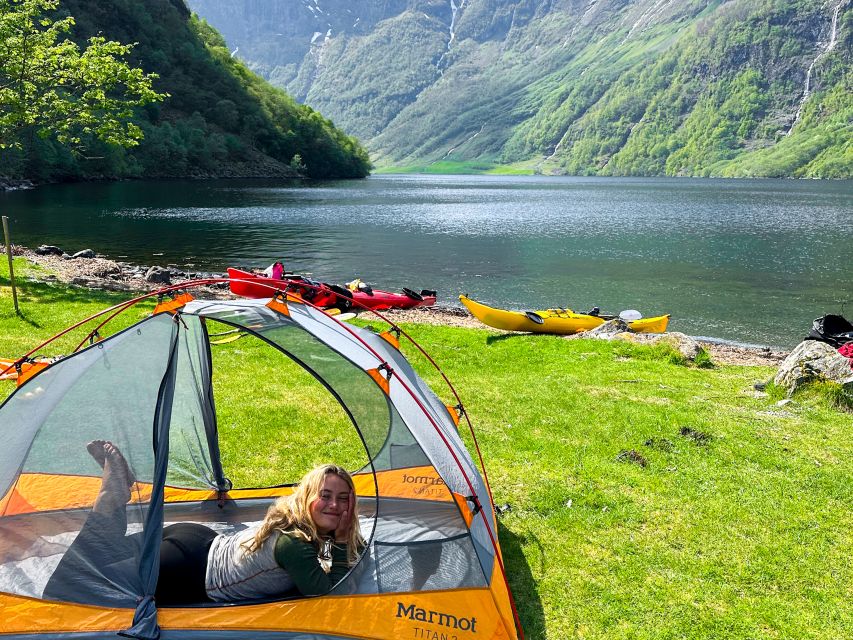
{"points": [[297, 165], [51, 87]]}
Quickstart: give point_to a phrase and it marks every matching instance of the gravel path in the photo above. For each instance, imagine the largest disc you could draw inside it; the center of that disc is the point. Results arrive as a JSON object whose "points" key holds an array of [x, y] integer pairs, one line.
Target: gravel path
{"points": [[100, 273]]}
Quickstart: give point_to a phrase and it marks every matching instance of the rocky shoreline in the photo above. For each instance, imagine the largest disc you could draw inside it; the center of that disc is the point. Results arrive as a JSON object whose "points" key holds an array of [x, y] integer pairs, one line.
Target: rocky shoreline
{"points": [[14, 184], [87, 269], [256, 166]]}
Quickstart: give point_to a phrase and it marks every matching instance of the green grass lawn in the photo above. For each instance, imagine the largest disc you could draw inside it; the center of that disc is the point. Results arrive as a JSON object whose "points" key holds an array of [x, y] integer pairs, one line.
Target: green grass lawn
{"points": [[461, 167], [650, 498]]}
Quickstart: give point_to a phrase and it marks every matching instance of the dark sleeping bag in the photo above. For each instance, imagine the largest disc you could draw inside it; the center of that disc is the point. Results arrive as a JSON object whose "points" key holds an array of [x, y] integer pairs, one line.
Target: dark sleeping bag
{"points": [[832, 329]]}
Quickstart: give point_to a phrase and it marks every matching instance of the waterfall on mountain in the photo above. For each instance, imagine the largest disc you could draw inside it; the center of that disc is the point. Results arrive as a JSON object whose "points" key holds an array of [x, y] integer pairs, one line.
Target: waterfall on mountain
{"points": [[833, 38]]}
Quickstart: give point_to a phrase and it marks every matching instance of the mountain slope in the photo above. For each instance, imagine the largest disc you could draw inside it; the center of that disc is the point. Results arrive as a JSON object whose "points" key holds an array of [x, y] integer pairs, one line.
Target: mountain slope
{"points": [[621, 87], [220, 120]]}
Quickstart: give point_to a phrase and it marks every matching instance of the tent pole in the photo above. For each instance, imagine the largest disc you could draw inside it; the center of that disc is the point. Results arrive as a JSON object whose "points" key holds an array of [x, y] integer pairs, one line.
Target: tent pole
{"points": [[11, 269], [223, 484]]}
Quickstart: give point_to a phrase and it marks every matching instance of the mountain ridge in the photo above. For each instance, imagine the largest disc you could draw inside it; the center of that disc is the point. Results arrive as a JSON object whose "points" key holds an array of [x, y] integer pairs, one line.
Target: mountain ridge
{"points": [[593, 87]]}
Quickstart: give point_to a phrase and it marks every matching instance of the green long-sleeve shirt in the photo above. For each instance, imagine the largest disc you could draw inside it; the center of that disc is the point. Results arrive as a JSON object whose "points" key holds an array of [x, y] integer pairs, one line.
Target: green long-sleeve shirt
{"points": [[299, 558]]}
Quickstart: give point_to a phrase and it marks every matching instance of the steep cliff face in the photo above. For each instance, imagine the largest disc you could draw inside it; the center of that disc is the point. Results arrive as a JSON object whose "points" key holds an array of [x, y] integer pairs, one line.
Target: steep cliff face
{"points": [[636, 87], [278, 38]]}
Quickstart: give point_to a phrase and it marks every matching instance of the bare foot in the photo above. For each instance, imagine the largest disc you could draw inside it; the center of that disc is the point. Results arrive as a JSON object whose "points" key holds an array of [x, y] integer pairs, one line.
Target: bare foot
{"points": [[115, 484], [96, 449]]}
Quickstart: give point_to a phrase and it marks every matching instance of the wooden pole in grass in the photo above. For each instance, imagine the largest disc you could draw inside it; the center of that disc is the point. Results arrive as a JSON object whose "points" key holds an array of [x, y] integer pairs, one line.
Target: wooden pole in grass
{"points": [[11, 269]]}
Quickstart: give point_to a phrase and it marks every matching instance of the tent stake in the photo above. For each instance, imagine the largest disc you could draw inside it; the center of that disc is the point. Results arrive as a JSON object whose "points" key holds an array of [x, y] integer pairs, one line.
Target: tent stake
{"points": [[11, 270]]}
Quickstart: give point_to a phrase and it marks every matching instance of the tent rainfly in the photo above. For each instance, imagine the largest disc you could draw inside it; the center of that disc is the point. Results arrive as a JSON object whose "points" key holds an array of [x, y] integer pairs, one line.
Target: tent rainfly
{"points": [[432, 568]]}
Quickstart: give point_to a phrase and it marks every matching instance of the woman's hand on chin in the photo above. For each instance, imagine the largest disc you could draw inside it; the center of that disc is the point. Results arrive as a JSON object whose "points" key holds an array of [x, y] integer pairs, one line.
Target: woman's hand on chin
{"points": [[342, 533]]}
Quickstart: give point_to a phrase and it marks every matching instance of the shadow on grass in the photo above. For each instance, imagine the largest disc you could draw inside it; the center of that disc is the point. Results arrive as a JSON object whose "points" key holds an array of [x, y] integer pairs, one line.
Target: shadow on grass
{"points": [[34, 295], [521, 581], [506, 336], [22, 316], [47, 293]]}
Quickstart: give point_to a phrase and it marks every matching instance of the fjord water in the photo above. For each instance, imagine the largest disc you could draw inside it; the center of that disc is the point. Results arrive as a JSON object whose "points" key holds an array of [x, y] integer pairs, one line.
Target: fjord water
{"points": [[752, 261]]}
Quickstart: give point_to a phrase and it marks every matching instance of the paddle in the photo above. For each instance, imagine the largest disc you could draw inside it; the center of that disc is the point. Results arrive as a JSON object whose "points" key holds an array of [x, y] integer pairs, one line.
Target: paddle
{"points": [[414, 295], [229, 338]]}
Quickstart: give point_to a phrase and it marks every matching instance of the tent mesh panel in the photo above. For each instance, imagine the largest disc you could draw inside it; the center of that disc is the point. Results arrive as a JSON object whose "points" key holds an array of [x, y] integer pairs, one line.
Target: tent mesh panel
{"points": [[107, 392], [359, 394], [444, 564]]}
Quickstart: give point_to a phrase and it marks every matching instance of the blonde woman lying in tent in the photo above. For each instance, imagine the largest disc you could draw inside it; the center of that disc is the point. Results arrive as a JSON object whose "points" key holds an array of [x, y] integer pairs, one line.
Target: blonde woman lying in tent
{"points": [[307, 541]]}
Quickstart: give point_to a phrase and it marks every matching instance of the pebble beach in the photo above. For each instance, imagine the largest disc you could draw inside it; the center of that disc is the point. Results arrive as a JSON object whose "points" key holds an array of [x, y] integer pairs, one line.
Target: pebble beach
{"points": [[104, 274]]}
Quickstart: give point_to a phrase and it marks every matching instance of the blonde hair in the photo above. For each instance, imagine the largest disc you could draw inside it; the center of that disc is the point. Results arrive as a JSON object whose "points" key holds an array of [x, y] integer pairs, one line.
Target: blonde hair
{"points": [[291, 514]]}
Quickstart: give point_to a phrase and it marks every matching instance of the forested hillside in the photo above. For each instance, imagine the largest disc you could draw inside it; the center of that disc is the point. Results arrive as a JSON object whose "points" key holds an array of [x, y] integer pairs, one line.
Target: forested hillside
{"points": [[220, 119], [609, 87]]}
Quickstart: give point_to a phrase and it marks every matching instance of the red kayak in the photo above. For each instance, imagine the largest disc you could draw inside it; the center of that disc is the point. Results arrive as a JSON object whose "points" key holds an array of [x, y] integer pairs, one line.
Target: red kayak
{"points": [[251, 285]]}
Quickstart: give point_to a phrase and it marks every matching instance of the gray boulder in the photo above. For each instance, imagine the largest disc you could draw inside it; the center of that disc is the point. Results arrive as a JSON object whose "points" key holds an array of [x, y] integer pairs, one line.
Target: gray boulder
{"points": [[158, 275], [618, 329], [813, 360], [101, 268], [85, 253], [608, 330], [686, 345], [49, 250]]}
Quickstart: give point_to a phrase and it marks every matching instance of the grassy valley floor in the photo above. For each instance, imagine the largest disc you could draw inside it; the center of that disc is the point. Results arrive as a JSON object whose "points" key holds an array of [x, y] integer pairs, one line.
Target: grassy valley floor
{"points": [[648, 498]]}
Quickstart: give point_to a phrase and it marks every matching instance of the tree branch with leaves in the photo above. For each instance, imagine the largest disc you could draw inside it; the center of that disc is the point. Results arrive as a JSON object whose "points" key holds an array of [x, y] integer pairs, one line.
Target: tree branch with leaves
{"points": [[51, 87]]}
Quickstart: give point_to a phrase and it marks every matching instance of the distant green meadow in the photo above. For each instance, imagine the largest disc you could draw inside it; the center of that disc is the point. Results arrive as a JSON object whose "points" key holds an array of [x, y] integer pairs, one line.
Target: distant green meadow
{"points": [[459, 167], [645, 497]]}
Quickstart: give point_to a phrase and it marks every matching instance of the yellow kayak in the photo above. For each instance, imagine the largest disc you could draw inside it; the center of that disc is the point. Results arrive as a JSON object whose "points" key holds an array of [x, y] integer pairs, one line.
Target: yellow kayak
{"points": [[560, 321]]}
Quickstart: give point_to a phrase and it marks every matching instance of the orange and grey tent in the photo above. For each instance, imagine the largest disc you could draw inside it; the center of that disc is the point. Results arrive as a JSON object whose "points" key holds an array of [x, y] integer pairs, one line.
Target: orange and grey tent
{"points": [[432, 567]]}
